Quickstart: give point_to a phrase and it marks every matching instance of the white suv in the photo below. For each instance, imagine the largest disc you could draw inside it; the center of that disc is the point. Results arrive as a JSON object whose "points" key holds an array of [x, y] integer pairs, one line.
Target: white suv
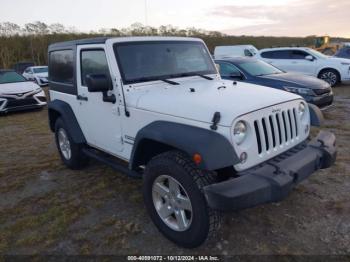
{"points": [[308, 61], [156, 108]]}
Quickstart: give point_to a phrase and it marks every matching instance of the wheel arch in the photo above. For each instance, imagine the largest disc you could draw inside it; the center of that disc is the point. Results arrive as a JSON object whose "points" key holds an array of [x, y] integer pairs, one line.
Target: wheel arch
{"points": [[62, 109], [160, 136]]}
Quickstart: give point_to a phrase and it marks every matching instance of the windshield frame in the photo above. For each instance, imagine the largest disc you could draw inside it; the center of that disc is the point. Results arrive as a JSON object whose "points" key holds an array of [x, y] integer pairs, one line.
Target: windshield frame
{"points": [[162, 77], [24, 80]]}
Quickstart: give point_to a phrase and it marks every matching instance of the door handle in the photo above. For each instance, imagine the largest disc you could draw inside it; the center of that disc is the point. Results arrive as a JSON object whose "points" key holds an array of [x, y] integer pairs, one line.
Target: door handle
{"points": [[82, 98]]}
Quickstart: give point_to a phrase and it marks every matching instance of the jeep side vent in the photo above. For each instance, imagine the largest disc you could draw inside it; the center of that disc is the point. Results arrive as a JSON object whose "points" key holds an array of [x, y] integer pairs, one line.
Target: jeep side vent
{"points": [[276, 130]]}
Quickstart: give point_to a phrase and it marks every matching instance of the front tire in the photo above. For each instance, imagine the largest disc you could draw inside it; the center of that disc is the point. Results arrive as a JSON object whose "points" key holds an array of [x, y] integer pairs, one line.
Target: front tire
{"points": [[331, 76], [70, 152], [172, 190]]}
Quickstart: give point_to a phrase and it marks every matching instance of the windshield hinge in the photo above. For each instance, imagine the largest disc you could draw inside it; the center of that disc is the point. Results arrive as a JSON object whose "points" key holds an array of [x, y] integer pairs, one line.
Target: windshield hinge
{"points": [[215, 120]]}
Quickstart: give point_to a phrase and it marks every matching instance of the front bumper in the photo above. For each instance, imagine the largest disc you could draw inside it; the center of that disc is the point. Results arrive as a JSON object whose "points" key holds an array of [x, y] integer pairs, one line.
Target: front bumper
{"points": [[273, 180], [14, 104], [322, 102]]}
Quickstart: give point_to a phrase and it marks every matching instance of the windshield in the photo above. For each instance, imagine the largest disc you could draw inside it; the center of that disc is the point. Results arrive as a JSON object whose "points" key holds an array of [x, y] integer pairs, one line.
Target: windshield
{"points": [[38, 70], [259, 68], [155, 60], [10, 77], [316, 53]]}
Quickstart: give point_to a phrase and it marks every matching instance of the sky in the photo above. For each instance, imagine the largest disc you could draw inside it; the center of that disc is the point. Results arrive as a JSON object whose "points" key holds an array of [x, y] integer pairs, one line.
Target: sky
{"points": [[236, 17]]}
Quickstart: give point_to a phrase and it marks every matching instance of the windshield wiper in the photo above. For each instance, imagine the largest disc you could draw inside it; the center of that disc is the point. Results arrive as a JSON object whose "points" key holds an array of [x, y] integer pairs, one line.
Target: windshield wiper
{"points": [[169, 81], [195, 74], [148, 79], [205, 77]]}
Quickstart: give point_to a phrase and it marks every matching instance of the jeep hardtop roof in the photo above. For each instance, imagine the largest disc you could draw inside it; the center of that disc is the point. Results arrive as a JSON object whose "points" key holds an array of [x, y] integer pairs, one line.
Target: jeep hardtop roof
{"points": [[102, 40]]}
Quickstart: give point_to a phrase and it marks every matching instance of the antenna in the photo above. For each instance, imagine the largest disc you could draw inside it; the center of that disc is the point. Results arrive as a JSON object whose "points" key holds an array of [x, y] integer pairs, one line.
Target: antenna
{"points": [[146, 18]]}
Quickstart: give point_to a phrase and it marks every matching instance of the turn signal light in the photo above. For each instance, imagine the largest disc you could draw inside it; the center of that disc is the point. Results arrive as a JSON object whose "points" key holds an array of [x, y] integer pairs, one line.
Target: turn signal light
{"points": [[197, 158]]}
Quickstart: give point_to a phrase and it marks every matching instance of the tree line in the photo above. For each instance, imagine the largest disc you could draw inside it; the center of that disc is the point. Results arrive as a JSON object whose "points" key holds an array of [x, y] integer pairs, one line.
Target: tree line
{"points": [[30, 42]]}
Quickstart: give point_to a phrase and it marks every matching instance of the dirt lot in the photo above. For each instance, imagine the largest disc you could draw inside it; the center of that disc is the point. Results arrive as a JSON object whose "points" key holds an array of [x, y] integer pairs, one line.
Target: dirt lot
{"points": [[46, 208]]}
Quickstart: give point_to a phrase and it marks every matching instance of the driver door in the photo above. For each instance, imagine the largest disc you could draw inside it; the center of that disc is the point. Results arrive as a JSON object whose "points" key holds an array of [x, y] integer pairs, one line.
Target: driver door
{"points": [[100, 121]]}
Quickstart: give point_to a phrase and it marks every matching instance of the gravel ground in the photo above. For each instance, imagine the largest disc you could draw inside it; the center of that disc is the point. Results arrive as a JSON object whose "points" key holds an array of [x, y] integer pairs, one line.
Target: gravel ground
{"points": [[47, 209]]}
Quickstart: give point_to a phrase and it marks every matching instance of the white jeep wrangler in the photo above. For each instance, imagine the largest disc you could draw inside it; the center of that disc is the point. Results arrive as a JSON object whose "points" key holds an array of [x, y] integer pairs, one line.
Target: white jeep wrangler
{"points": [[156, 108]]}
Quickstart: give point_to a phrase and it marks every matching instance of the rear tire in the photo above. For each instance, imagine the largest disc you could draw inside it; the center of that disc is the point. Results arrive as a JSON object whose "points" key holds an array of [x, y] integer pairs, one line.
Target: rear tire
{"points": [[331, 76], [70, 152], [181, 214]]}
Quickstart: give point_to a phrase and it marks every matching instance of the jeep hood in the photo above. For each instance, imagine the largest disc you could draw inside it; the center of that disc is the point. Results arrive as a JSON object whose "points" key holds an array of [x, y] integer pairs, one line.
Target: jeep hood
{"points": [[206, 98]]}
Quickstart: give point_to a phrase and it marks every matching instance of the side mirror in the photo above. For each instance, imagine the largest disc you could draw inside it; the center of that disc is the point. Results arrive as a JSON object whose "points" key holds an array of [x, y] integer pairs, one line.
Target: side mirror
{"points": [[309, 57], [236, 75], [98, 83]]}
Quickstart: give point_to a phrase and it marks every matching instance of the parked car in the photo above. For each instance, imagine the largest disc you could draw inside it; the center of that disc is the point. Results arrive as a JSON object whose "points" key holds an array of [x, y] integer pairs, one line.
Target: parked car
{"points": [[234, 50], [308, 61], [343, 52], [255, 71], [200, 146], [16, 93], [38, 74], [21, 66]]}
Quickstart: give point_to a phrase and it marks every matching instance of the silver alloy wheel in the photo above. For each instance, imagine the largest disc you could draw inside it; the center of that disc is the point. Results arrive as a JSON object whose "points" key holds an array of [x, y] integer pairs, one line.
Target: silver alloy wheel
{"points": [[64, 144], [330, 77], [172, 203]]}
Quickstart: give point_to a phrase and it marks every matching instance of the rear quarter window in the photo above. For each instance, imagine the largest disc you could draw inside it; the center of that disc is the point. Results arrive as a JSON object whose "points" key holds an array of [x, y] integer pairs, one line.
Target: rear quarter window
{"points": [[61, 67]]}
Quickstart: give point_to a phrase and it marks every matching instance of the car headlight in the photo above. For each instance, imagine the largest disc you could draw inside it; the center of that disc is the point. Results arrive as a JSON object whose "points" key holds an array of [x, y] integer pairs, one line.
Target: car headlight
{"points": [[300, 91], [38, 90], [239, 132], [302, 108]]}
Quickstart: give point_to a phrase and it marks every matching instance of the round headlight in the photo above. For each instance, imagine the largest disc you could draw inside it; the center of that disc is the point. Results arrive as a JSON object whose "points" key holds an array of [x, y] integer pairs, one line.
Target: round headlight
{"points": [[239, 132], [302, 108]]}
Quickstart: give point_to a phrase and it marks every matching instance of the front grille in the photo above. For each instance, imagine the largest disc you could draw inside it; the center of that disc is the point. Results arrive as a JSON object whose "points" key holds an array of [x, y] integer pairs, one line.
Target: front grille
{"points": [[276, 130], [322, 91], [21, 102]]}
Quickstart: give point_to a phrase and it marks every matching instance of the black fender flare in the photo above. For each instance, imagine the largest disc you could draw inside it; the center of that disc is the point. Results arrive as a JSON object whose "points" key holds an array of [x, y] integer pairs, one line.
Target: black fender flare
{"points": [[215, 149], [58, 108], [316, 115]]}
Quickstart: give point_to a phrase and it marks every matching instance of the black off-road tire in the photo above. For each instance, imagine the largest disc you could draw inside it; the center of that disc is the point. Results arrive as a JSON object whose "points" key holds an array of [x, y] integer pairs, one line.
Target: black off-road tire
{"points": [[205, 221], [78, 159]]}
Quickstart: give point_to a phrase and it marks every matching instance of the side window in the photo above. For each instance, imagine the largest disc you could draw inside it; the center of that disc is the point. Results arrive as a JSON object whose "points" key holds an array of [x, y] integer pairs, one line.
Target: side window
{"points": [[268, 54], [298, 54], [282, 54], [226, 69], [61, 66], [93, 62], [247, 53]]}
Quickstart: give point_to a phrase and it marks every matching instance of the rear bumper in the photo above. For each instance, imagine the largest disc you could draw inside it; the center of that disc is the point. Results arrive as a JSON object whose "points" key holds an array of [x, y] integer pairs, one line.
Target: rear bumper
{"points": [[273, 180]]}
